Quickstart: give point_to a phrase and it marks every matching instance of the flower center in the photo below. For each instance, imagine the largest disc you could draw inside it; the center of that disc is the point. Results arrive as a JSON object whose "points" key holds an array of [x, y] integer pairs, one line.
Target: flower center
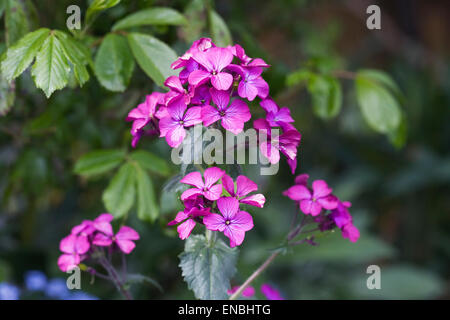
{"points": [[313, 199], [181, 122], [214, 73], [227, 222], [222, 113]]}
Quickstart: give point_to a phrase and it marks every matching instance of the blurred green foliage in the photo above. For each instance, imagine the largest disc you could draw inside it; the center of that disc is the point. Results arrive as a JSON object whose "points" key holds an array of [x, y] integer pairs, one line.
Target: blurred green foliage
{"points": [[50, 148]]}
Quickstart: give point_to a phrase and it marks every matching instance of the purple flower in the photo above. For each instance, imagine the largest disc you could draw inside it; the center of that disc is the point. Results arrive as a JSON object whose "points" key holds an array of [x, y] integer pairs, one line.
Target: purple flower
{"points": [[143, 114], [172, 126], [313, 202], [270, 292], [287, 143], [276, 116], [206, 188], [232, 222], [177, 91], [213, 61], [239, 52], [251, 84], [248, 292], [193, 209], [344, 221], [123, 238], [72, 247], [202, 96], [242, 188], [233, 116]]}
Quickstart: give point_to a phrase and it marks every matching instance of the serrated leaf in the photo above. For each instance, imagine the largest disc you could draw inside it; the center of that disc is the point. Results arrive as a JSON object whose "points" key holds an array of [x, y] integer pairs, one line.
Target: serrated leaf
{"points": [[208, 269], [97, 6], [379, 108], [120, 194], [153, 56], [149, 161], [20, 55], [151, 16], [51, 70], [114, 63], [98, 162], [147, 207], [78, 55], [16, 21], [219, 30], [326, 94]]}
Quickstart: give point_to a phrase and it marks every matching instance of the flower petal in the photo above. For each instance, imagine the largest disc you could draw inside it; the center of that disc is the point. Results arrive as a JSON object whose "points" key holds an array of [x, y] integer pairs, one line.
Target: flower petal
{"points": [[245, 186], [222, 81], [320, 189], [212, 175], [214, 222], [185, 229], [256, 200], [228, 206], [194, 179], [242, 221]]}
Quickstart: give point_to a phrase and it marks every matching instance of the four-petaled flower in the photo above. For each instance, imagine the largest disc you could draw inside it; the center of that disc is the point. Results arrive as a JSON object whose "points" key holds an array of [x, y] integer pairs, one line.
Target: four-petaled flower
{"points": [[233, 116], [123, 238], [73, 247], [213, 62], [193, 210], [172, 126], [207, 188], [313, 202], [232, 222]]}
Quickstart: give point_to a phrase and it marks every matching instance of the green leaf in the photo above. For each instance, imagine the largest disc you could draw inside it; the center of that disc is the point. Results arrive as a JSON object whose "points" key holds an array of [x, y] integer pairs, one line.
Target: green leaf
{"points": [[399, 282], [151, 16], [208, 269], [298, 77], [114, 63], [147, 206], [51, 70], [98, 162], [398, 136], [16, 21], [219, 31], [153, 56], [96, 7], [120, 194], [382, 78], [151, 162], [20, 55], [379, 108], [78, 55], [326, 94], [7, 96]]}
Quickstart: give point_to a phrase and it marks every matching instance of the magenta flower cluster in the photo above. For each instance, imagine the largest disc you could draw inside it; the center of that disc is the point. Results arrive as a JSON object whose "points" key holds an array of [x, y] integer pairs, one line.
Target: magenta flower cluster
{"points": [[212, 87], [214, 201], [87, 236], [328, 211]]}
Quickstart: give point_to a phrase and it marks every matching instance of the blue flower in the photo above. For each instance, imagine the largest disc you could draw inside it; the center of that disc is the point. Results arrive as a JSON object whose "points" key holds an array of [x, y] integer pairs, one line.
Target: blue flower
{"points": [[57, 288], [9, 291], [35, 280], [80, 295]]}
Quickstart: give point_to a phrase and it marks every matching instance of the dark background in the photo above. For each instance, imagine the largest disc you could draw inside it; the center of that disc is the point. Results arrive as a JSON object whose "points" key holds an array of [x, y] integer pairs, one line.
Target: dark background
{"points": [[400, 196]]}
